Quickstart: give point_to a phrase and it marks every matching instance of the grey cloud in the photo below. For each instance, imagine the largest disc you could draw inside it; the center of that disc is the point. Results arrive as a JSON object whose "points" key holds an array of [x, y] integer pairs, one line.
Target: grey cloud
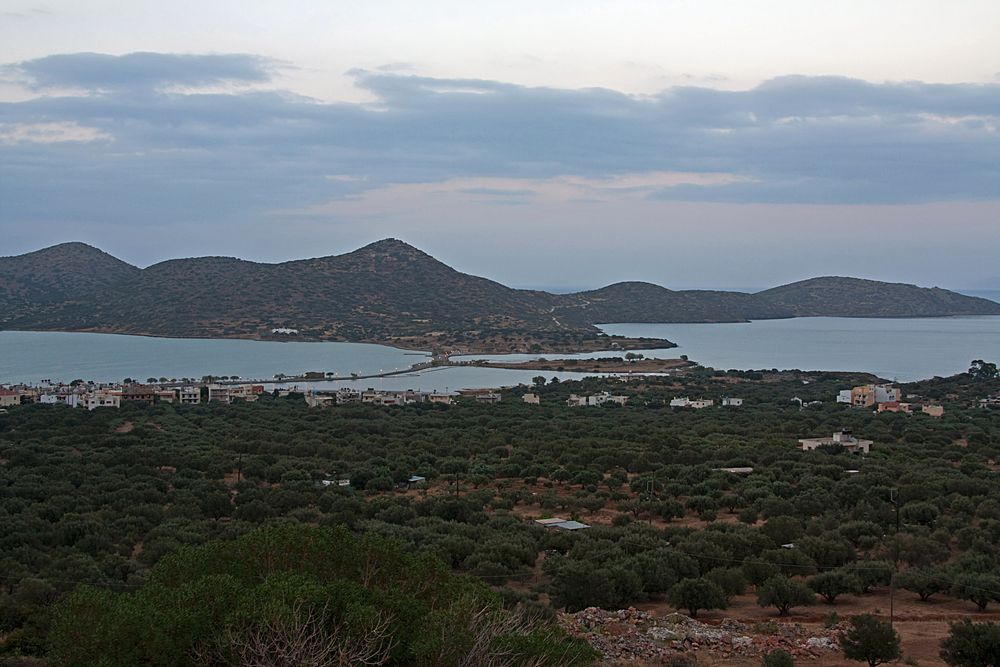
{"points": [[498, 192], [142, 70], [195, 157]]}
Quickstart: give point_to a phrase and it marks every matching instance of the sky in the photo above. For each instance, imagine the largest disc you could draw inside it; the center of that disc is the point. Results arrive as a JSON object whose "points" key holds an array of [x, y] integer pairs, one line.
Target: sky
{"points": [[708, 143]]}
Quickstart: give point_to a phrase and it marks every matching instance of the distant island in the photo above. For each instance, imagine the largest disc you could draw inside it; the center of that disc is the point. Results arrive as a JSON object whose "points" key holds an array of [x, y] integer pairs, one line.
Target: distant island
{"points": [[392, 293]]}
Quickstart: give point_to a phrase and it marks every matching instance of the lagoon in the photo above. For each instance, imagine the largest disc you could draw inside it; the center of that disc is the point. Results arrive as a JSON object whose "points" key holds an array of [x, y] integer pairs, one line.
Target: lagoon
{"points": [[33, 356], [895, 349]]}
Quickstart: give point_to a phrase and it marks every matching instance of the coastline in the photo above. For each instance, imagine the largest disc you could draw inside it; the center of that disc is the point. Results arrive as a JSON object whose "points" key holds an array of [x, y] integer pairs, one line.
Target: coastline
{"points": [[423, 344]]}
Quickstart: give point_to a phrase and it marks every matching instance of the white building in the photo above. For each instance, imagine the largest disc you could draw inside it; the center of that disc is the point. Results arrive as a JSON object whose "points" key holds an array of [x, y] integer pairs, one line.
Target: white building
{"points": [[732, 402], [595, 399], [70, 400], [102, 399], [685, 402]]}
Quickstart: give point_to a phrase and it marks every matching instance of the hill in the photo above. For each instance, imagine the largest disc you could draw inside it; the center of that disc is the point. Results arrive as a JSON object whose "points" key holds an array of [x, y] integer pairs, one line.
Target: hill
{"points": [[63, 272], [853, 297], [391, 292], [645, 302]]}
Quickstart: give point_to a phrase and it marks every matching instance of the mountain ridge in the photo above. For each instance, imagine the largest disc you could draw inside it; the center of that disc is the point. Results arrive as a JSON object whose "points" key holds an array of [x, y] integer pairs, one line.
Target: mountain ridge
{"points": [[392, 292]]}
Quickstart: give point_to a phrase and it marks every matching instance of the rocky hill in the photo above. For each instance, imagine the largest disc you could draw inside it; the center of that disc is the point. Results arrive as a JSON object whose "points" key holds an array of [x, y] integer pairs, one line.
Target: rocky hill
{"points": [[389, 291], [853, 297]]}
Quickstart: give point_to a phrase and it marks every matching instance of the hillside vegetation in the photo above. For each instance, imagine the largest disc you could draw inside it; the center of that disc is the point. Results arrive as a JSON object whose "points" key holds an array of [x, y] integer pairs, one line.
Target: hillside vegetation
{"points": [[391, 292], [146, 533]]}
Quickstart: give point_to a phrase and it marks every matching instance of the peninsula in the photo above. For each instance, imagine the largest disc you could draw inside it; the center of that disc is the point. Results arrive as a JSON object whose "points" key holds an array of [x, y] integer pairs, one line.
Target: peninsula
{"points": [[391, 293]]}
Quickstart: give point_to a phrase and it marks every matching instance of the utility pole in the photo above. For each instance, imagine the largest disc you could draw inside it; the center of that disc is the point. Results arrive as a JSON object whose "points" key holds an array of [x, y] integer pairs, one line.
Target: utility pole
{"points": [[894, 499]]}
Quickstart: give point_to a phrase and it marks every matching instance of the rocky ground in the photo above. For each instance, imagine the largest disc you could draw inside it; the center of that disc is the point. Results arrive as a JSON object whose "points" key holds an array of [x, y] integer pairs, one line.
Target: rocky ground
{"points": [[632, 636]]}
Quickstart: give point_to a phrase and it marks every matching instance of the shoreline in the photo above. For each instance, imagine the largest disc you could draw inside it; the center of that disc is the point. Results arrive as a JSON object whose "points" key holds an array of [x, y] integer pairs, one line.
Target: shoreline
{"points": [[601, 343], [638, 367]]}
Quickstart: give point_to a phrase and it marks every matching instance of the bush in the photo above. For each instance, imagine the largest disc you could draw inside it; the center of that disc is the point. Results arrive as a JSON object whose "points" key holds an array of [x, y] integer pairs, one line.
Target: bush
{"points": [[697, 594], [832, 584], [783, 593], [778, 658], [971, 644], [870, 640], [297, 590]]}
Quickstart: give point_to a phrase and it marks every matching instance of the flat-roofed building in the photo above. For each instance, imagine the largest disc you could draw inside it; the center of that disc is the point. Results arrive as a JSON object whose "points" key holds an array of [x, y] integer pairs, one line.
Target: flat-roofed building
{"points": [[842, 438]]}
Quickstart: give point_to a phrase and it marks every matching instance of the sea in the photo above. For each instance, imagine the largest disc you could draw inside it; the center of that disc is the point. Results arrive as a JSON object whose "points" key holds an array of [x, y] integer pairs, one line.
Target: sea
{"points": [[894, 349]]}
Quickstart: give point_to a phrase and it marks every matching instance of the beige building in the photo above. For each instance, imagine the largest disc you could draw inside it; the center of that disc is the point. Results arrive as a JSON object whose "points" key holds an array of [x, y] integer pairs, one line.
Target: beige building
{"points": [[9, 398], [909, 408], [842, 438], [531, 398]]}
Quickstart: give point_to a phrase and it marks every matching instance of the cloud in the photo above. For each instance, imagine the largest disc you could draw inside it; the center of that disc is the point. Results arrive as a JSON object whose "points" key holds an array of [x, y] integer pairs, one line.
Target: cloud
{"points": [[456, 192], [30, 13], [197, 156], [98, 71], [49, 133]]}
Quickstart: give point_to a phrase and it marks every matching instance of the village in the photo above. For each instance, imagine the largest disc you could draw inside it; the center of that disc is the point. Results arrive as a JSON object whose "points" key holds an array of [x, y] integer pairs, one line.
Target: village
{"points": [[91, 396]]}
